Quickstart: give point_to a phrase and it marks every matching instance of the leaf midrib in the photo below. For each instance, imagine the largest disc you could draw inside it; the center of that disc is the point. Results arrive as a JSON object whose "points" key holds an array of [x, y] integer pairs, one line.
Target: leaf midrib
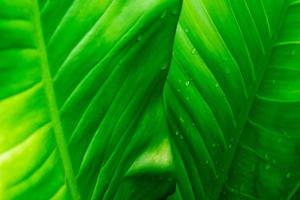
{"points": [[53, 108], [248, 110]]}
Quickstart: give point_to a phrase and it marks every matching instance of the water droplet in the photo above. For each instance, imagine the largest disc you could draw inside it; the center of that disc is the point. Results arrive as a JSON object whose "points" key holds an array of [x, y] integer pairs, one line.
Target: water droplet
{"points": [[139, 38], [268, 167], [217, 85], [288, 175], [213, 145], [181, 119], [273, 81], [229, 146], [175, 11], [177, 133], [206, 162], [187, 98], [187, 83], [193, 51], [165, 66], [186, 30], [267, 156], [163, 15], [274, 161]]}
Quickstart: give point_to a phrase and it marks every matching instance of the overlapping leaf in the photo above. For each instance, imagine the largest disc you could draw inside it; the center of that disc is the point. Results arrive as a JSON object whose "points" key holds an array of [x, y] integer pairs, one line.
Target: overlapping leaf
{"points": [[80, 96], [222, 51], [266, 165], [82, 113]]}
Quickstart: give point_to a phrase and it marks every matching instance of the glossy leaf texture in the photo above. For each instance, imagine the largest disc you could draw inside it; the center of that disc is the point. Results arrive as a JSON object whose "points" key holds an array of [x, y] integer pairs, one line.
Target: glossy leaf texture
{"points": [[81, 98], [224, 51], [267, 160], [87, 110]]}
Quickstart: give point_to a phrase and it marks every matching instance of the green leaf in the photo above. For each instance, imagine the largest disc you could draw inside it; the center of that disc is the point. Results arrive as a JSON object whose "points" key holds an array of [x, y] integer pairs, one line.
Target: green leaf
{"points": [[89, 108], [235, 74], [270, 141], [81, 97]]}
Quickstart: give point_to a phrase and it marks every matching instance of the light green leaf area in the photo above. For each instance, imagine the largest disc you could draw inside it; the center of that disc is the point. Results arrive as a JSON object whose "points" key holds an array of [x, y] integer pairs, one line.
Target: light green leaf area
{"points": [[100, 99], [233, 102], [81, 98]]}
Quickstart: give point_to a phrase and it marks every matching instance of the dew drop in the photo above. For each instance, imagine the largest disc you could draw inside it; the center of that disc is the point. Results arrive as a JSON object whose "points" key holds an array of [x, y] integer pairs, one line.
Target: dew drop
{"points": [[288, 175], [217, 85], [273, 81], [193, 51], [187, 83], [139, 38], [181, 119], [163, 15], [187, 98], [268, 167], [175, 11], [267, 156], [177, 133], [206, 162], [229, 146], [213, 145], [164, 67], [186, 30]]}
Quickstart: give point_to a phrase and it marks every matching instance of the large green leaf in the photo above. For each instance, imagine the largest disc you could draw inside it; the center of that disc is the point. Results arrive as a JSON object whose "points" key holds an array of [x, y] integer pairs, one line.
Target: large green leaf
{"points": [[267, 162], [81, 96], [223, 49], [86, 111]]}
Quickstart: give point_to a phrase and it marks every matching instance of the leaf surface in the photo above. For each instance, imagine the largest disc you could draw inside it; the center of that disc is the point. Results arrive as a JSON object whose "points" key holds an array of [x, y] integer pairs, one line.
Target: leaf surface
{"points": [[87, 110], [81, 87], [224, 51], [269, 147]]}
